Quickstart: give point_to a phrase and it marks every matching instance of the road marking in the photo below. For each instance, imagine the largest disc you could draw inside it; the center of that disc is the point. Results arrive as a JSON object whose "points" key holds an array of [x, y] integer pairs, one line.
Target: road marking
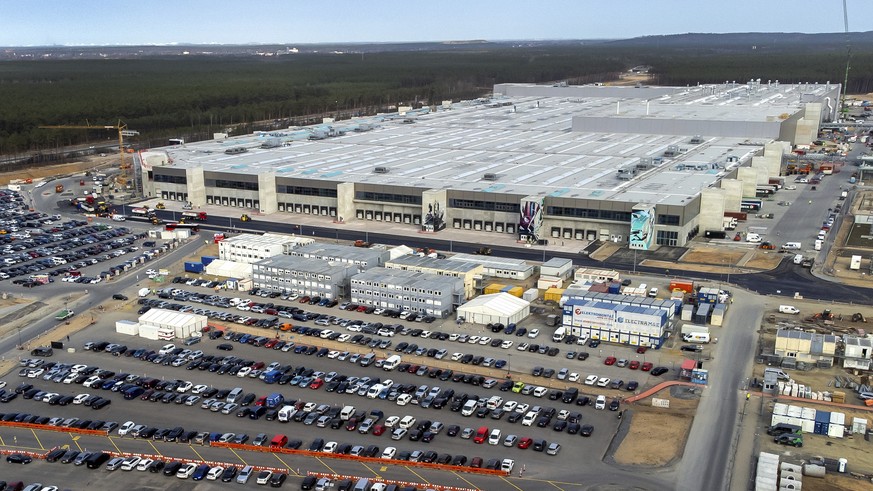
{"points": [[75, 437], [197, 453], [376, 474], [37, 439], [2, 443], [384, 468], [280, 460], [465, 480], [77, 444], [156, 448], [238, 456], [513, 485], [419, 475], [112, 441], [65, 447], [555, 485], [328, 467]]}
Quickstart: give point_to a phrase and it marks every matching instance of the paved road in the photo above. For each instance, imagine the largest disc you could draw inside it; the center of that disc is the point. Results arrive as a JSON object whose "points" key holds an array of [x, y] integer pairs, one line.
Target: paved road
{"points": [[709, 457]]}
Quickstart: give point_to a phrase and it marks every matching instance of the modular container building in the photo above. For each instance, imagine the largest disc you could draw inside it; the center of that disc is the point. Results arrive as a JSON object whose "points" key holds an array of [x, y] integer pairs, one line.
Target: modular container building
{"points": [[616, 323], [192, 267]]}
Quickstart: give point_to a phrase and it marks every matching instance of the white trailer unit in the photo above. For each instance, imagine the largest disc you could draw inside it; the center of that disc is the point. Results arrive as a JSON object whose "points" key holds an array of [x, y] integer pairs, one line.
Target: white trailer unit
{"points": [[127, 327], [694, 329], [855, 263]]}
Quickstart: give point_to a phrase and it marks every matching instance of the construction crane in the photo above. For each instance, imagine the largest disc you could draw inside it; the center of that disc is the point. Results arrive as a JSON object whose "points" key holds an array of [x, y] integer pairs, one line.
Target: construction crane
{"points": [[122, 130], [848, 59]]}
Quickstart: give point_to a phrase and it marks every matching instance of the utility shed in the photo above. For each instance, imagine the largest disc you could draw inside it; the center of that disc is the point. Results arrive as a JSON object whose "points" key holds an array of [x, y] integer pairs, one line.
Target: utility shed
{"points": [[557, 267], [491, 309], [858, 352], [181, 324]]}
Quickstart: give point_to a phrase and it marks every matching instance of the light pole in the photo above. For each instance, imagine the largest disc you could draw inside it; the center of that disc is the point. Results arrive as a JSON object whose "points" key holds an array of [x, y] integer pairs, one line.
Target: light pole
{"points": [[635, 261], [509, 364], [20, 346]]}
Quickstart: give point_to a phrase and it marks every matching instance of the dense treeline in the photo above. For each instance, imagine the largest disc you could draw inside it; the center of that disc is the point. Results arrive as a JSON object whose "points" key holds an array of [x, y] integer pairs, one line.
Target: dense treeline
{"points": [[196, 96], [173, 96]]}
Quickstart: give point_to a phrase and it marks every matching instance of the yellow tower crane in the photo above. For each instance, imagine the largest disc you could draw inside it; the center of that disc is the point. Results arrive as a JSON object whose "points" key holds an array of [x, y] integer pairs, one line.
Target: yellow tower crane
{"points": [[122, 130]]}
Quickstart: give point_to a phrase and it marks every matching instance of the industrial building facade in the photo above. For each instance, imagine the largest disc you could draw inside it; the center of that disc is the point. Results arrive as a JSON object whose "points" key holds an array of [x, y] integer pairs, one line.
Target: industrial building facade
{"points": [[623, 324], [642, 166], [304, 276], [413, 291]]}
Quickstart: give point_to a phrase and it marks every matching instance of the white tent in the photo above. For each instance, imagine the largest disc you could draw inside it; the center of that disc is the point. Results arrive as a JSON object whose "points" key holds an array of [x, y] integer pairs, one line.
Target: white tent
{"points": [[164, 321], [497, 307], [229, 269]]}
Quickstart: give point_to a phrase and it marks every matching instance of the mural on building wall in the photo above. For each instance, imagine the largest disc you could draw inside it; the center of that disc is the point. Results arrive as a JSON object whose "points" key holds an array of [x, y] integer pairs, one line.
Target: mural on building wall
{"points": [[435, 218], [642, 228], [530, 220]]}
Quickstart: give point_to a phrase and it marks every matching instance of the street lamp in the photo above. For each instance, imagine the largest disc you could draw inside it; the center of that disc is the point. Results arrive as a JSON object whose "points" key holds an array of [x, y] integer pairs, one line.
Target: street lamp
{"points": [[20, 346], [509, 364]]}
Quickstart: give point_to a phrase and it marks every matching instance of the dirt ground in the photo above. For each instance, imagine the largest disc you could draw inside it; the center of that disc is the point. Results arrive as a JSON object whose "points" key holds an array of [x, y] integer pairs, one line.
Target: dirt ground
{"points": [[656, 436], [711, 255], [55, 170]]}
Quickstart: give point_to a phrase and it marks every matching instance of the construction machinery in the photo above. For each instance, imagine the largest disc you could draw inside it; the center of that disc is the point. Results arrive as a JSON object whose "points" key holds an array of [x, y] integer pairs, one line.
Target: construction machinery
{"points": [[244, 218], [767, 245], [123, 132], [160, 206]]}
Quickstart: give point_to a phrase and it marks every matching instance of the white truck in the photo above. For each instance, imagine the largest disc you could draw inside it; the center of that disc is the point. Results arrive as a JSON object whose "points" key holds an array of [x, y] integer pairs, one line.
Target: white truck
{"points": [[560, 334], [696, 337], [788, 309]]}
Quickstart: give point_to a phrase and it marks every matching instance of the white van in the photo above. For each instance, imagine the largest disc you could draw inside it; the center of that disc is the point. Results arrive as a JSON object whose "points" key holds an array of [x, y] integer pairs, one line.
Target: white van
{"points": [[559, 334], [373, 392], [753, 238], [821, 235], [818, 244], [391, 363], [653, 293], [696, 337], [792, 246], [788, 309], [600, 403], [347, 413], [798, 258], [286, 413], [583, 339], [469, 407]]}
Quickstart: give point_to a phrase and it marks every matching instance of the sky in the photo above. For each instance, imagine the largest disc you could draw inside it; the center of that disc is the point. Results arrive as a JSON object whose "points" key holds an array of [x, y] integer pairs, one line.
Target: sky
{"points": [[104, 22]]}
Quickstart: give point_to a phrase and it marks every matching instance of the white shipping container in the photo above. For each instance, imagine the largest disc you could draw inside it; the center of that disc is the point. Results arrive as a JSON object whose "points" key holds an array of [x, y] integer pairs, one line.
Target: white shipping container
{"points": [[807, 426], [531, 294], [778, 419], [836, 431], [148, 332], [127, 327], [859, 425], [780, 408], [838, 418], [794, 411], [717, 318], [795, 421], [546, 283]]}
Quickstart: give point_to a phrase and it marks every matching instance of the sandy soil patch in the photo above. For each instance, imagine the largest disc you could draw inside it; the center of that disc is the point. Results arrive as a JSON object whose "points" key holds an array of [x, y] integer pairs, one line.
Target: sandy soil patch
{"points": [[654, 439], [763, 261], [56, 170], [707, 255], [605, 251]]}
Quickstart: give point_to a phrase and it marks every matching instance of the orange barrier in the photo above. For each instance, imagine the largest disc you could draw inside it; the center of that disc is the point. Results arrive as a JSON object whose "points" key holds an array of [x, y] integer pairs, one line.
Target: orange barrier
{"points": [[372, 460], [35, 455], [658, 388], [212, 463], [60, 429], [417, 485]]}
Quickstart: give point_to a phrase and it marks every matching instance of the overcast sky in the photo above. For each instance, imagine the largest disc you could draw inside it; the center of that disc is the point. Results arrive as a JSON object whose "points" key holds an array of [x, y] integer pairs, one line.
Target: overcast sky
{"points": [[104, 22]]}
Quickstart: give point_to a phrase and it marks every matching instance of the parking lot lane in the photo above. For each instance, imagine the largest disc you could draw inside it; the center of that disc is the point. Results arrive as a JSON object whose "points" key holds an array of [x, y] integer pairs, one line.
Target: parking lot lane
{"points": [[555, 485], [325, 464], [507, 481], [375, 474], [284, 464], [112, 441], [459, 476], [199, 457], [76, 442], [157, 452], [419, 476], [37, 439], [240, 456]]}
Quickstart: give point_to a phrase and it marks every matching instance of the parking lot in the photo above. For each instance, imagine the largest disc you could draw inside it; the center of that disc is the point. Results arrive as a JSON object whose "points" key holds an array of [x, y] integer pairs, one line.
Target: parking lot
{"points": [[167, 415]]}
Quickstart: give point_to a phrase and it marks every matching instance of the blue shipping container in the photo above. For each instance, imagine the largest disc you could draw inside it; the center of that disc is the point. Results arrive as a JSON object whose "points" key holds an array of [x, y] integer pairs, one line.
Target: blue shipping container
{"points": [[192, 267], [207, 259]]}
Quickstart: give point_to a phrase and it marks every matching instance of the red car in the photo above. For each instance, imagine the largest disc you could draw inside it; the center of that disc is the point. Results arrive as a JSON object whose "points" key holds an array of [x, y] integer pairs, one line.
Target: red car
{"points": [[361, 308], [271, 343], [316, 383], [261, 401], [646, 366], [378, 430], [304, 300], [610, 360], [634, 365], [642, 349], [525, 442]]}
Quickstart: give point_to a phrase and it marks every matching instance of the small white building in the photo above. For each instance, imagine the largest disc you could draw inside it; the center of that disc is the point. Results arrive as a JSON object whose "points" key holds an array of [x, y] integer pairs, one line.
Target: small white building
{"points": [[495, 308], [498, 267], [169, 324], [251, 248], [858, 352], [557, 267]]}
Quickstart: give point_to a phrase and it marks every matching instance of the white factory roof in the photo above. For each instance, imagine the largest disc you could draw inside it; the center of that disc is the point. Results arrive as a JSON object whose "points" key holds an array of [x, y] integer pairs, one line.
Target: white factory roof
{"points": [[525, 144], [495, 304], [164, 317]]}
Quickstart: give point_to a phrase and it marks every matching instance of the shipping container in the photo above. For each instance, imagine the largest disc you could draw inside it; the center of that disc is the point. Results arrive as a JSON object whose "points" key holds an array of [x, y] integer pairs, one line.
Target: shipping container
{"points": [[494, 288], [615, 287], [516, 291], [687, 313], [553, 295], [531, 294], [739, 215], [192, 267], [207, 259], [127, 327], [701, 316], [544, 283], [836, 431], [686, 286]]}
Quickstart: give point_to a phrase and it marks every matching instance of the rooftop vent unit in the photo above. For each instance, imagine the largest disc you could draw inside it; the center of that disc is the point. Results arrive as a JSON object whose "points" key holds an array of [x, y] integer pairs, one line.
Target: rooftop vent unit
{"points": [[696, 140], [627, 173], [645, 163], [672, 151], [490, 177], [381, 170]]}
